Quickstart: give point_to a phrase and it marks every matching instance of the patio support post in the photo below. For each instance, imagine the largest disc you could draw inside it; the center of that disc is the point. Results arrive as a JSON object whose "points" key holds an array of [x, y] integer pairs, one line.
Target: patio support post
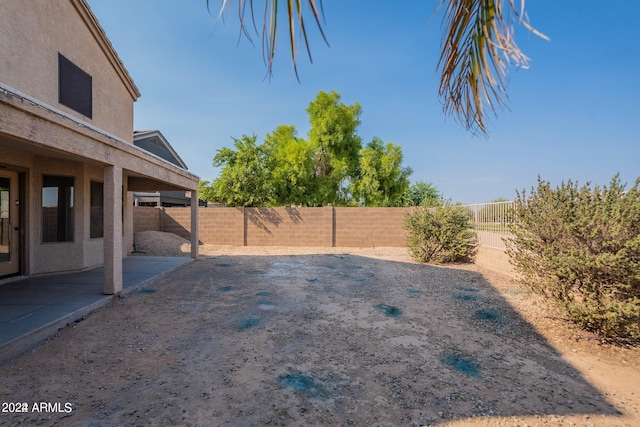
{"points": [[194, 223], [112, 229]]}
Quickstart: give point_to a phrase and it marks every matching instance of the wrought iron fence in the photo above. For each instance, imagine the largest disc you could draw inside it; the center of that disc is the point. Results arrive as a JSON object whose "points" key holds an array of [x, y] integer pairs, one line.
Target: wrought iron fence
{"points": [[491, 221]]}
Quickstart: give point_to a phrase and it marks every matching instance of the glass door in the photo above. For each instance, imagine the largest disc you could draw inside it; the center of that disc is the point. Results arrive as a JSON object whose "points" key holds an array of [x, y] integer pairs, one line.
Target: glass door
{"points": [[9, 226]]}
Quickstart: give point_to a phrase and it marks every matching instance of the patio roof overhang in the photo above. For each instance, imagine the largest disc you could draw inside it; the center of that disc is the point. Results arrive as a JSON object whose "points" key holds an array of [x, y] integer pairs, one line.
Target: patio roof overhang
{"points": [[31, 126]]}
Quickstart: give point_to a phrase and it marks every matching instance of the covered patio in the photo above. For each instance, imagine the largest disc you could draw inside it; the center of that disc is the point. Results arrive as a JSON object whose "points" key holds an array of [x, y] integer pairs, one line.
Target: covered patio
{"points": [[34, 308]]}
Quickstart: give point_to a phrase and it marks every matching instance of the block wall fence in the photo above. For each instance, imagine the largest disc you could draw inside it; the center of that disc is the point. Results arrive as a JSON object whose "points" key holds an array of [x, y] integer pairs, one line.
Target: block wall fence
{"points": [[284, 226], [288, 226]]}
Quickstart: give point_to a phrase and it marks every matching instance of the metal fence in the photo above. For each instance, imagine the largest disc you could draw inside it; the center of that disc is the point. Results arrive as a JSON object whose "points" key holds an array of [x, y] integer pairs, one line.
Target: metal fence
{"points": [[491, 221]]}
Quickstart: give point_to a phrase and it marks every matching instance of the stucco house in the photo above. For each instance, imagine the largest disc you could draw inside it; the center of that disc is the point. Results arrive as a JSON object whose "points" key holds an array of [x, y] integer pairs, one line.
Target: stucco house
{"points": [[68, 165]]}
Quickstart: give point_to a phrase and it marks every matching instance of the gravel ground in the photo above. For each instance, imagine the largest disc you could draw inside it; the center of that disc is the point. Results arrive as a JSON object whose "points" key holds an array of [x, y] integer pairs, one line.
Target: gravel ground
{"points": [[323, 336]]}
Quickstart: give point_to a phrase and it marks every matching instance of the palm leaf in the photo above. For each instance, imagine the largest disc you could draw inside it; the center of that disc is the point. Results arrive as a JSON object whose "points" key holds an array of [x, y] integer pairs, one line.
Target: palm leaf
{"points": [[478, 47], [269, 31]]}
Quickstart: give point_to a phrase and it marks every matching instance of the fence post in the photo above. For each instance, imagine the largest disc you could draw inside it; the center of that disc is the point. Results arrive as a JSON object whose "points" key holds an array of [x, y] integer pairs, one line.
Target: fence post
{"points": [[244, 226], [475, 216]]}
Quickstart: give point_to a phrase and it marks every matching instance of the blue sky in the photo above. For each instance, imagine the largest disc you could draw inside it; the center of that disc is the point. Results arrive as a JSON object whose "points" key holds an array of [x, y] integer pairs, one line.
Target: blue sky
{"points": [[572, 115]]}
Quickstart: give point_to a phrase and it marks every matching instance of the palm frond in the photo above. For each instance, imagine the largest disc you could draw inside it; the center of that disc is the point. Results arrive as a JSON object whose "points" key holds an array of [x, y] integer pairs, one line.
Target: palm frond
{"points": [[269, 30], [478, 47]]}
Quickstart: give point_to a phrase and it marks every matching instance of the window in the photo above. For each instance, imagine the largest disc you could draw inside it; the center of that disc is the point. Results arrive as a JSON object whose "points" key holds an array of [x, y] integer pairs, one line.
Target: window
{"points": [[74, 87], [57, 208], [97, 210]]}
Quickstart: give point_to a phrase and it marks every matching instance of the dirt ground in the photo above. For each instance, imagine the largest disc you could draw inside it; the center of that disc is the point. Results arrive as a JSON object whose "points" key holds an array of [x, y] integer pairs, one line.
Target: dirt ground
{"points": [[323, 337]]}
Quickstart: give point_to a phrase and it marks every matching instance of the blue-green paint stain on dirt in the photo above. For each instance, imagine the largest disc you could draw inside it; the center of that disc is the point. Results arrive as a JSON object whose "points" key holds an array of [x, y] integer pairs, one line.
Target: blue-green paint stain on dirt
{"points": [[304, 384], [223, 264], [366, 278], [465, 297], [263, 294], [264, 302], [389, 310], [225, 288], [466, 289], [462, 364], [255, 272], [249, 322], [147, 291], [413, 291], [489, 314], [312, 280]]}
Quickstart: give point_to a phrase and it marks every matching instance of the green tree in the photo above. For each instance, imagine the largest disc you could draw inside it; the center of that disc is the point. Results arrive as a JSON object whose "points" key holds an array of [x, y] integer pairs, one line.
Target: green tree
{"points": [[421, 193], [244, 179], [477, 48], [289, 161], [331, 167], [205, 190], [336, 147], [382, 180]]}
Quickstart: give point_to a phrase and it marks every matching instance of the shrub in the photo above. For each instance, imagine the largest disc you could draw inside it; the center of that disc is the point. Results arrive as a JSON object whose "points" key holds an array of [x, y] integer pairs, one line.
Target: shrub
{"points": [[581, 248], [440, 235]]}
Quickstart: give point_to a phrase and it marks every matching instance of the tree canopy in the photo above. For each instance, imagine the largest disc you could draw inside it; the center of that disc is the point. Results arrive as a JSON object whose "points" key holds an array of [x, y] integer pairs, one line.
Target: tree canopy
{"points": [[329, 167], [421, 194], [381, 180], [245, 179]]}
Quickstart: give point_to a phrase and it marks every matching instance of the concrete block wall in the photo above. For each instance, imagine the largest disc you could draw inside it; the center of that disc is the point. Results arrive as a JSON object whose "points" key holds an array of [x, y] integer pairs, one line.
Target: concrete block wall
{"points": [[495, 260], [315, 227], [284, 226], [177, 221], [289, 226], [146, 218], [222, 226], [370, 227]]}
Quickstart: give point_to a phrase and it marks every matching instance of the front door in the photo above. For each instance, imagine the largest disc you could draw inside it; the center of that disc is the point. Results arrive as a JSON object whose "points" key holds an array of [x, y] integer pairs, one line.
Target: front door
{"points": [[9, 224]]}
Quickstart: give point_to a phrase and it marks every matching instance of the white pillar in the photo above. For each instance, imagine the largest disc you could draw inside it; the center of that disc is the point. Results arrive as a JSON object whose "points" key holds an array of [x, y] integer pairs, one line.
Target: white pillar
{"points": [[194, 223], [112, 230]]}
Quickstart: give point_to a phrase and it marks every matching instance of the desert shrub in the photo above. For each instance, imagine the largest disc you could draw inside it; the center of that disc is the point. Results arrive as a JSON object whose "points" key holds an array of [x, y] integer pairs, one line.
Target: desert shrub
{"points": [[440, 235], [580, 246]]}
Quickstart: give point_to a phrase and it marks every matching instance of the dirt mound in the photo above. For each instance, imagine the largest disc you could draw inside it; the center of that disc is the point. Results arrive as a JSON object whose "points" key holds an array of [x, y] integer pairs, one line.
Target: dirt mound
{"points": [[157, 243]]}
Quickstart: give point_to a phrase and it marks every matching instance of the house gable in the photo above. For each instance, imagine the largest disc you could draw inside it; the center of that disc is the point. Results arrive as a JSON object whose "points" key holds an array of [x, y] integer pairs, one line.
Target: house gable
{"points": [[154, 142]]}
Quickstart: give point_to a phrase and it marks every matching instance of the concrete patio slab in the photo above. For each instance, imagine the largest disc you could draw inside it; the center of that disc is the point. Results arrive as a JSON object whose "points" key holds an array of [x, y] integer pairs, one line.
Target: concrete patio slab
{"points": [[35, 308]]}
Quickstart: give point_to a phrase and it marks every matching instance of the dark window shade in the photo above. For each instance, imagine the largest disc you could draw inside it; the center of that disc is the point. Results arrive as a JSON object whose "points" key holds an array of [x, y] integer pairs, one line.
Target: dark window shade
{"points": [[97, 210], [74, 87], [57, 208]]}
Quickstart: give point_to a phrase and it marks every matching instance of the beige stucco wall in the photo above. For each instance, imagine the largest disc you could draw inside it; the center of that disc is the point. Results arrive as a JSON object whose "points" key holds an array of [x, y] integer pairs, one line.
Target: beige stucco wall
{"points": [[83, 252], [39, 136], [31, 35], [36, 141]]}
